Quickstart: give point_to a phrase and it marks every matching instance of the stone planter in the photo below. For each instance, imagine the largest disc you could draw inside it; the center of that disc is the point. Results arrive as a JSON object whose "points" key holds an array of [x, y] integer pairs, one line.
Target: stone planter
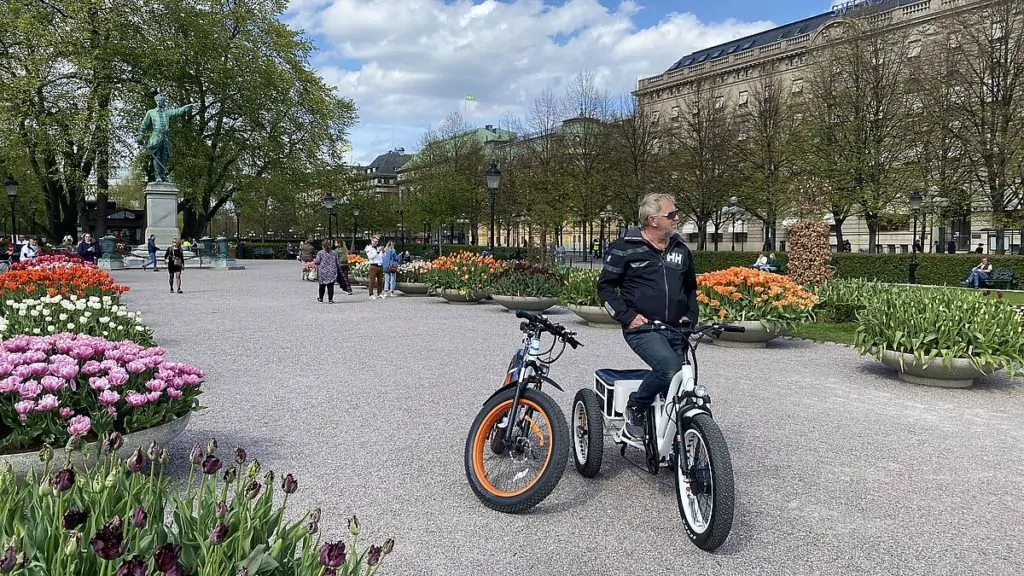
{"points": [[594, 316], [412, 288], [163, 434], [755, 335], [528, 303], [359, 280], [960, 374], [453, 296]]}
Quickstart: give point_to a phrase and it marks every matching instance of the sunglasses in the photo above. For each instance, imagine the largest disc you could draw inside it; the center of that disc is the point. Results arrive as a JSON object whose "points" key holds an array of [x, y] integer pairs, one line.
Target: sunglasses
{"points": [[673, 215]]}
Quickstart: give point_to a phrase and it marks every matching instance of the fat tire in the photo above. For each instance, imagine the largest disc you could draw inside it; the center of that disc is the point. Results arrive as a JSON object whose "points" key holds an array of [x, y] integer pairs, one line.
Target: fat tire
{"points": [[595, 433], [549, 477], [724, 499]]}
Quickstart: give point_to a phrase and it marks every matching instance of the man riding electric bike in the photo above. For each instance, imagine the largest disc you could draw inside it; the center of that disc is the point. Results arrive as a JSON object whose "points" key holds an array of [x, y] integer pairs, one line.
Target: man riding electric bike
{"points": [[648, 275]]}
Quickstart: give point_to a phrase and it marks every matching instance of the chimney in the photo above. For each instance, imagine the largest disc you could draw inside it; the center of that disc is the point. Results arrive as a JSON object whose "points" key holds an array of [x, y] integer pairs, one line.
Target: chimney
{"points": [[489, 127]]}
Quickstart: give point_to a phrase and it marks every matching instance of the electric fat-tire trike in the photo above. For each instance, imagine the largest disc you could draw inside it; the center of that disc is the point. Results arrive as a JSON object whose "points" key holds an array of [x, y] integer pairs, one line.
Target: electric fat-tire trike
{"points": [[518, 445], [680, 434]]}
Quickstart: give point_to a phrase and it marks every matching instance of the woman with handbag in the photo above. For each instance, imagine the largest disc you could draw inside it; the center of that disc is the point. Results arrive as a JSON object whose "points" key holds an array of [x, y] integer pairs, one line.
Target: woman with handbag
{"points": [[175, 260], [343, 280], [326, 271], [390, 264]]}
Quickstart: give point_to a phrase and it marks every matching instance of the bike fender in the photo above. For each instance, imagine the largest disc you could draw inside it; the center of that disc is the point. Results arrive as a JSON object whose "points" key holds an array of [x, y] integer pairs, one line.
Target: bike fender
{"points": [[694, 411], [500, 390], [547, 380]]}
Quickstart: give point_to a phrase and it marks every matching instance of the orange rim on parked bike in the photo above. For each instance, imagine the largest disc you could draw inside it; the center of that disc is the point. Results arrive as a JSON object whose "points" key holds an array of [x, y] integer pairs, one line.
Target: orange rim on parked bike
{"points": [[481, 442]]}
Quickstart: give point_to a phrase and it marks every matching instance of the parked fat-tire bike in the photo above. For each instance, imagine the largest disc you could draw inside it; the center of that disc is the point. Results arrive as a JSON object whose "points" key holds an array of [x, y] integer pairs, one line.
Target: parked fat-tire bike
{"points": [[518, 445], [681, 434]]}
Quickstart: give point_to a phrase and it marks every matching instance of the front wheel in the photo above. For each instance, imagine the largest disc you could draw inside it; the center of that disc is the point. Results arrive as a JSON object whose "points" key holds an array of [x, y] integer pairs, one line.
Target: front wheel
{"points": [[587, 433], [704, 481], [516, 476]]}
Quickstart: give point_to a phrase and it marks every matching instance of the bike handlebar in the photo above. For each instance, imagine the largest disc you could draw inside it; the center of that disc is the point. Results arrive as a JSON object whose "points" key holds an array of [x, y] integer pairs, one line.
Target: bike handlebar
{"points": [[688, 332], [556, 330]]}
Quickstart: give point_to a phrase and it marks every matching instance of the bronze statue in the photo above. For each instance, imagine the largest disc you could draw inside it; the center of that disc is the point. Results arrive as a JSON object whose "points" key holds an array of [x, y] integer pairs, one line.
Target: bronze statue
{"points": [[159, 120]]}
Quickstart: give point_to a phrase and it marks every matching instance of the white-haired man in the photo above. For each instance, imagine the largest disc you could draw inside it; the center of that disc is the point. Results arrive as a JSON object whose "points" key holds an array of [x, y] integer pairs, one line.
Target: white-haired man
{"points": [[648, 275]]}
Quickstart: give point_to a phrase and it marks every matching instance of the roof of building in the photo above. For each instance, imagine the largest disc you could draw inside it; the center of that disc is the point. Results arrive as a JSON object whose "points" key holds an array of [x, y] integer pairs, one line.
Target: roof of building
{"points": [[390, 162], [791, 30]]}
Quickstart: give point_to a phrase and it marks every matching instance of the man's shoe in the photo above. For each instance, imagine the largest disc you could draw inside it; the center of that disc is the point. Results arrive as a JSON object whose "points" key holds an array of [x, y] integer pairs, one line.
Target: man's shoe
{"points": [[636, 420]]}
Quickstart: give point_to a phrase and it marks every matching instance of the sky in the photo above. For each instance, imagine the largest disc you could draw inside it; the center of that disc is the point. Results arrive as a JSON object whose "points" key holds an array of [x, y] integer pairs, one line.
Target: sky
{"points": [[407, 64]]}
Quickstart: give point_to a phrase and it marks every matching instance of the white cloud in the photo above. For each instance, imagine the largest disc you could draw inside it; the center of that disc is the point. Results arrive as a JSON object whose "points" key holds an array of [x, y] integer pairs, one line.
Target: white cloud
{"points": [[408, 63]]}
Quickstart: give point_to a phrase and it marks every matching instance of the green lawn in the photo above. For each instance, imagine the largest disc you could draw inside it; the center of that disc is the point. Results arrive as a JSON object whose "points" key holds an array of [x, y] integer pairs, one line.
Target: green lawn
{"points": [[1016, 298], [821, 332]]}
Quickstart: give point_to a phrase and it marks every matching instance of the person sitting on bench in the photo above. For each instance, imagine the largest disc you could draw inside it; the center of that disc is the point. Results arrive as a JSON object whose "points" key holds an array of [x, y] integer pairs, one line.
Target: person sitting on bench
{"points": [[978, 275], [761, 263]]}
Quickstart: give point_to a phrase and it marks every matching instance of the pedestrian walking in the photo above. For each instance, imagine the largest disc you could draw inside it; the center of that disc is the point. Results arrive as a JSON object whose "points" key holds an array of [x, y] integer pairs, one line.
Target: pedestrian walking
{"points": [[375, 279], [151, 249], [174, 259], [326, 261], [390, 264], [343, 282]]}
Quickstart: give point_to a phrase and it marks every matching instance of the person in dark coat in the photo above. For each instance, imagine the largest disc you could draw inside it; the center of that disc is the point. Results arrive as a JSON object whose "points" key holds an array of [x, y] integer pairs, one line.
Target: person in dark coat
{"points": [[89, 249]]}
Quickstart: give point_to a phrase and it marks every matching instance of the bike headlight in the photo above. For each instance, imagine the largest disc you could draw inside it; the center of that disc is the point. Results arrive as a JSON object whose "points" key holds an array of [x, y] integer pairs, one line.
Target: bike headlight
{"points": [[700, 390]]}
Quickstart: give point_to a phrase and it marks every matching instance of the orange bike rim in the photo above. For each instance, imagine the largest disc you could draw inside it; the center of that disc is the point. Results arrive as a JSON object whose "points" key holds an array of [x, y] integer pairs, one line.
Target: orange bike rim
{"points": [[481, 440]]}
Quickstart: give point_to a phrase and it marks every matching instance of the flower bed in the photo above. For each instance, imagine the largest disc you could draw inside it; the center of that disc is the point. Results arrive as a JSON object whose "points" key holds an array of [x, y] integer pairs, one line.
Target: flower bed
{"points": [[414, 272], [94, 316], [580, 287], [361, 270], [464, 272], [81, 280], [525, 279], [110, 519], [744, 294], [354, 259], [64, 385], [47, 261]]}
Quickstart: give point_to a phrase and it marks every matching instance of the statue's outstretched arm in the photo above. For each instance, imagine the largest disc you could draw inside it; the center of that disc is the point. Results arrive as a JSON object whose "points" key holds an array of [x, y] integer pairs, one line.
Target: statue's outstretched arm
{"points": [[184, 109]]}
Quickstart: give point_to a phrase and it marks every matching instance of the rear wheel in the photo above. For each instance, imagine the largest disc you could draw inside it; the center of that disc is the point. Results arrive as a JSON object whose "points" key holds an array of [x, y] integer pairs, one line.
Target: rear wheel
{"points": [[587, 433], [704, 481], [514, 477]]}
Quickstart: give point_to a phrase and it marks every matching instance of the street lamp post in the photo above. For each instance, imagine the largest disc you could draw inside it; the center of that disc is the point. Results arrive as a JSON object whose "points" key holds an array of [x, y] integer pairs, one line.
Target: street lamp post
{"points": [[732, 210], [462, 221], [493, 180], [11, 185], [915, 207], [329, 204], [355, 225], [401, 226], [606, 215]]}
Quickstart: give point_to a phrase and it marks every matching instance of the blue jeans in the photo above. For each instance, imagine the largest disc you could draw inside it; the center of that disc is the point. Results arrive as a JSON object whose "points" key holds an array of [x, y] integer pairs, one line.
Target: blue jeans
{"points": [[152, 260], [390, 279], [976, 278], [663, 351]]}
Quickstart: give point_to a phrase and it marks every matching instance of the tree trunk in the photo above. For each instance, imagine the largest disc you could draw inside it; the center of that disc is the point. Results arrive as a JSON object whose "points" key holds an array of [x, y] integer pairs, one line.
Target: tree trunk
{"points": [[872, 222], [702, 235], [839, 231]]}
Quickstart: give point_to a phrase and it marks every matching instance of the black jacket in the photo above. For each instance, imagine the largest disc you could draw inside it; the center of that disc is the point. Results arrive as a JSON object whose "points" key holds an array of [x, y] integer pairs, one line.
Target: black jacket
{"points": [[89, 255], [637, 278]]}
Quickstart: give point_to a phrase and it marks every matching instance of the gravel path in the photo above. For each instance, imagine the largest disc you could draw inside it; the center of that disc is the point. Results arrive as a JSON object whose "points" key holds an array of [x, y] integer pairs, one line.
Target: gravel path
{"points": [[840, 468]]}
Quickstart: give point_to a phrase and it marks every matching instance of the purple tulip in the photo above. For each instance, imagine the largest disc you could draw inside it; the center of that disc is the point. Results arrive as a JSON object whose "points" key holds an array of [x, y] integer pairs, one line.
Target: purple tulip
{"points": [[139, 516], [219, 534], [253, 490], [211, 465], [73, 518], [137, 461], [8, 561], [165, 558], [137, 566], [373, 556], [196, 456], [108, 543], [332, 554], [64, 480], [239, 455], [112, 443], [289, 485], [222, 509]]}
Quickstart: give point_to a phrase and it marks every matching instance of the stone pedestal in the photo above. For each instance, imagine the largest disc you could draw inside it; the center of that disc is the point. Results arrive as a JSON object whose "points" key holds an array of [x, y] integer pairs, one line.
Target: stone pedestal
{"points": [[222, 262], [162, 213], [109, 259]]}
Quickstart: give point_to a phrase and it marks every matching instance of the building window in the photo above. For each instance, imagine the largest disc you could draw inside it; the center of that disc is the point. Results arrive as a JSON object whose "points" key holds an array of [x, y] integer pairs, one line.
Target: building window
{"points": [[798, 85], [719, 101], [675, 113], [743, 98], [913, 48], [997, 30], [655, 116]]}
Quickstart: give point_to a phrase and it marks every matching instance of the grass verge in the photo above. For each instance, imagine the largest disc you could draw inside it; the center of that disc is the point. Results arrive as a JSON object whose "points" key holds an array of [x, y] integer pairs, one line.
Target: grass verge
{"points": [[821, 332]]}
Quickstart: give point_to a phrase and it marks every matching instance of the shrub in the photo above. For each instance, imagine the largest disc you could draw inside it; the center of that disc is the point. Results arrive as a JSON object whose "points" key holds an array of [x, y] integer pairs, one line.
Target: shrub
{"points": [[580, 287], [942, 323], [710, 261], [55, 387], [933, 269], [111, 517], [462, 271], [742, 294], [525, 279], [94, 316], [810, 254]]}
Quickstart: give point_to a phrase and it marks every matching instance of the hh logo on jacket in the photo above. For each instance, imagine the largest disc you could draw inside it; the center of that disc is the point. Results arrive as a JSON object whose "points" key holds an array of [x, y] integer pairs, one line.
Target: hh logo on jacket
{"points": [[675, 257]]}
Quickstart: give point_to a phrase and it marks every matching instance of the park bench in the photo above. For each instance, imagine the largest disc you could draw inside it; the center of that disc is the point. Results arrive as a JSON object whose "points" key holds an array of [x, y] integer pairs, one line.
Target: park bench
{"points": [[1000, 278], [263, 253]]}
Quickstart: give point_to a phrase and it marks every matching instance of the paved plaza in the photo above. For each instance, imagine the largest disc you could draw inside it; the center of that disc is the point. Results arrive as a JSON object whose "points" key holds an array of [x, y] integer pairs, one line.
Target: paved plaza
{"points": [[840, 468]]}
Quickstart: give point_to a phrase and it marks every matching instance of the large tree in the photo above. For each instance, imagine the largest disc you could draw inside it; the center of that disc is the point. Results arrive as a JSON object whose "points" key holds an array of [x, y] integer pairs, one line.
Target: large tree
{"points": [[636, 167]]}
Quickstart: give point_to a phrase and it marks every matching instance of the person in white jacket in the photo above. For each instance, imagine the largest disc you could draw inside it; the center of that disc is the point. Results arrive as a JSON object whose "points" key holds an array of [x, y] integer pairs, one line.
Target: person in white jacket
{"points": [[30, 249], [375, 255], [762, 262]]}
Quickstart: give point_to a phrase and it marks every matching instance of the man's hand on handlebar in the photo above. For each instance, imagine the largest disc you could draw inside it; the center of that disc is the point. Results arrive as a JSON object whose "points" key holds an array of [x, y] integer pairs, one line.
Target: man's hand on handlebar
{"points": [[638, 321]]}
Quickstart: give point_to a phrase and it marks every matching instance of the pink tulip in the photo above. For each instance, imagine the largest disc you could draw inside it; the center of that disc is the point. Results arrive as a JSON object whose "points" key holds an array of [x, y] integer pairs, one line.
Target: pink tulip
{"points": [[10, 384], [136, 400], [174, 393], [66, 413], [47, 403], [30, 389], [91, 368], [24, 371], [52, 383], [82, 352], [137, 366], [24, 408], [79, 425], [67, 371], [99, 384], [117, 377], [5, 368], [109, 397], [153, 397], [156, 385]]}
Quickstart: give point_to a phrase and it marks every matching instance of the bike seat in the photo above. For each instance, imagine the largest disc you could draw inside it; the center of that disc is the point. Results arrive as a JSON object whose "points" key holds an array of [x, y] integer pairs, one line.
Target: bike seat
{"points": [[610, 376]]}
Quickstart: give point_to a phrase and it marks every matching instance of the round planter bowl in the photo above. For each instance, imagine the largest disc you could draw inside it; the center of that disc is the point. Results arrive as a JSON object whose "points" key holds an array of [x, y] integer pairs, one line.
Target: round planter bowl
{"points": [[359, 280], [595, 316], [528, 303], [960, 374], [453, 296], [754, 335], [163, 434], [412, 288]]}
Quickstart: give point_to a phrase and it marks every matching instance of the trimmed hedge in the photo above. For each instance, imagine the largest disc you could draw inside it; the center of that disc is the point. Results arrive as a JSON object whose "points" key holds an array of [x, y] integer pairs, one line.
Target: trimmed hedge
{"points": [[932, 269]]}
